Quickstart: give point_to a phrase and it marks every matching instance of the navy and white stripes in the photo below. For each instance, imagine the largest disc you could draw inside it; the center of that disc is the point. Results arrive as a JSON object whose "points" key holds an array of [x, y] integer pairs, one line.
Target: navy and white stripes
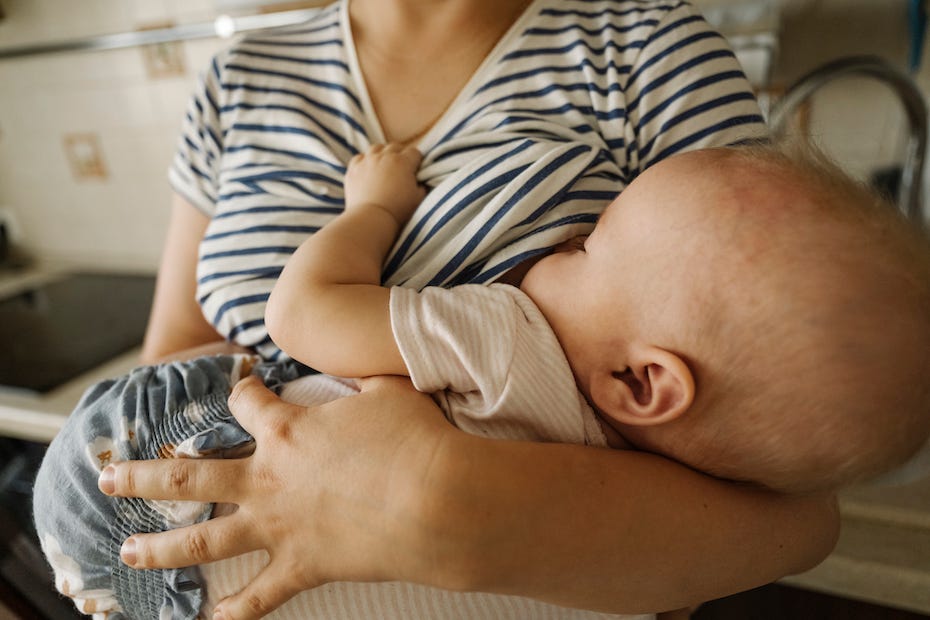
{"points": [[576, 99]]}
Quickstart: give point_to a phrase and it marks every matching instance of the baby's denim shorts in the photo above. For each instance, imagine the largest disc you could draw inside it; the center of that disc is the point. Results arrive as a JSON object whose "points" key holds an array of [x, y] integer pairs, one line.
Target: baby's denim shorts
{"points": [[172, 410]]}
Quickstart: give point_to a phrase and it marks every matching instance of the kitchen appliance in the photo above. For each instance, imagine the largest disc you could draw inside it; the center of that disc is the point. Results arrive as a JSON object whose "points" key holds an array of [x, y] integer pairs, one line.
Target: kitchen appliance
{"points": [[57, 329]]}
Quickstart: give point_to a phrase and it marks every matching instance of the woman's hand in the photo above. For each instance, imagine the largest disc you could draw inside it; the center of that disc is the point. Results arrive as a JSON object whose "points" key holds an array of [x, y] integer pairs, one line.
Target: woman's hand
{"points": [[325, 493], [379, 487]]}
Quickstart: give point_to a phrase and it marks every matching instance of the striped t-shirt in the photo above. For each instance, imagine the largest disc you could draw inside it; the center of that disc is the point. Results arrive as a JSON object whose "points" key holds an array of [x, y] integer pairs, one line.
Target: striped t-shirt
{"points": [[575, 100]]}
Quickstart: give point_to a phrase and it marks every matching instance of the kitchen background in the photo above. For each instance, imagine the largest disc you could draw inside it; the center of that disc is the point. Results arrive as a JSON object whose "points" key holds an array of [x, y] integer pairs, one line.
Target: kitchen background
{"points": [[86, 138]]}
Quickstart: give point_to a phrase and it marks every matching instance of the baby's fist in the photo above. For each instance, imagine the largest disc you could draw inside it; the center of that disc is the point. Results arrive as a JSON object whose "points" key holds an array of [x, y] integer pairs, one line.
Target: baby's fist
{"points": [[385, 176]]}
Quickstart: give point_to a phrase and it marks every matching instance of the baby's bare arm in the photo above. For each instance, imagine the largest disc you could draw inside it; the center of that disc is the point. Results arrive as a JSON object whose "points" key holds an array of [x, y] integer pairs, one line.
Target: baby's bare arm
{"points": [[328, 308]]}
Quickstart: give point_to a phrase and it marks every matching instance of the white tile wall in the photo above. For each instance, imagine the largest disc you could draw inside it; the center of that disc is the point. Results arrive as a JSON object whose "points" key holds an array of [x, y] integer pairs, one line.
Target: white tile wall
{"points": [[118, 220], [865, 133]]}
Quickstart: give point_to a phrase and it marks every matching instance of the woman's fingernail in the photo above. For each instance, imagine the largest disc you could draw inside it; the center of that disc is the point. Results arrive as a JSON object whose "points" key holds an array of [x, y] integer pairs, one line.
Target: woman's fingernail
{"points": [[218, 615], [107, 480], [128, 551]]}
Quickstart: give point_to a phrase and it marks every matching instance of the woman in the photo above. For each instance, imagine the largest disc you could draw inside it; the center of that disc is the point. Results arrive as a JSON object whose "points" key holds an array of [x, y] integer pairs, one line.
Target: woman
{"points": [[377, 487]]}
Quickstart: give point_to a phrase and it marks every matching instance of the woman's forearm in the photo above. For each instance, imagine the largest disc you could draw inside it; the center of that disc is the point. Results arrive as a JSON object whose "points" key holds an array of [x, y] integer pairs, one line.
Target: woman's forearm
{"points": [[379, 487], [598, 529], [176, 322]]}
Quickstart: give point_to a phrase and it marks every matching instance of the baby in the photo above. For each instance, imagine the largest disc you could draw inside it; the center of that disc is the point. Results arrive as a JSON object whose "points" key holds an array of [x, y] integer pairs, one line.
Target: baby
{"points": [[754, 318], [733, 310]]}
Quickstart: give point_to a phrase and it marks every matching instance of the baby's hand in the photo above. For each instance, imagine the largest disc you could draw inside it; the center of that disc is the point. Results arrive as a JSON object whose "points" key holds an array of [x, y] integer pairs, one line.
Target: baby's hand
{"points": [[385, 177]]}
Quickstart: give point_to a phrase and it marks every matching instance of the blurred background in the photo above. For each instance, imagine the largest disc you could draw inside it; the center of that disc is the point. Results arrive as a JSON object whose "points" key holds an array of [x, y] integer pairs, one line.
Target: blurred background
{"points": [[87, 134]]}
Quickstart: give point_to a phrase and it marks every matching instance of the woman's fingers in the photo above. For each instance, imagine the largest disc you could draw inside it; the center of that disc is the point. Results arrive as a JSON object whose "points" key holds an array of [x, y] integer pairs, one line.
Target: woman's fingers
{"points": [[212, 540], [202, 480], [270, 589], [254, 406]]}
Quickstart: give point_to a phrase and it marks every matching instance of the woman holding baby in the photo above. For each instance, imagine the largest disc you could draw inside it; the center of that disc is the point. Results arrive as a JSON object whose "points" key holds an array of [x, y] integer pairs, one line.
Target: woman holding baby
{"points": [[578, 96]]}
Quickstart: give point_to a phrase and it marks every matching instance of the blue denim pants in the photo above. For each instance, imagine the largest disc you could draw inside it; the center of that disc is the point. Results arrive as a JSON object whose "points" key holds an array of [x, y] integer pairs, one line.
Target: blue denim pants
{"points": [[172, 410]]}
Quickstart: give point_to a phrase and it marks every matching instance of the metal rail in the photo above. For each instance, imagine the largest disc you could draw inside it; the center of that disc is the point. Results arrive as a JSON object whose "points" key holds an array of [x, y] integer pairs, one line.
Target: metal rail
{"points": [[223, 26]]}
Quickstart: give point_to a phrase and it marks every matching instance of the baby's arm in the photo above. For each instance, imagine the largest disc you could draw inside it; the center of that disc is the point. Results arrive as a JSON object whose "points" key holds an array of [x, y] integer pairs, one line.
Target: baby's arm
{"points": [[328, 309]]}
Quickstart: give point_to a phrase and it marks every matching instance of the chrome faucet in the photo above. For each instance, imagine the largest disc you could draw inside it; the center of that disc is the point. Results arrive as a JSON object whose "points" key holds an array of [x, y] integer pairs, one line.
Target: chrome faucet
{"points": [[910, 190]]}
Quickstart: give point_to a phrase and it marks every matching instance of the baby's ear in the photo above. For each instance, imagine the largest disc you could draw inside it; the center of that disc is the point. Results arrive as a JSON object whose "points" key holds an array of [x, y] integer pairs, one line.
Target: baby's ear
{"points": [[657, 387]]}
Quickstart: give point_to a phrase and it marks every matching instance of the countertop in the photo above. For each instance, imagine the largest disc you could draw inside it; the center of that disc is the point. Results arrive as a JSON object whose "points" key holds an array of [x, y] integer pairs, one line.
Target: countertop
{"points": [[25, 415], [883, 555], [38, 417]]}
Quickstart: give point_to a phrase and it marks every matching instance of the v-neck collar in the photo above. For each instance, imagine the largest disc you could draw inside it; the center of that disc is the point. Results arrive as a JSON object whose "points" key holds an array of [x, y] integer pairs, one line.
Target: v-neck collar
{"points": [[449, 117]]}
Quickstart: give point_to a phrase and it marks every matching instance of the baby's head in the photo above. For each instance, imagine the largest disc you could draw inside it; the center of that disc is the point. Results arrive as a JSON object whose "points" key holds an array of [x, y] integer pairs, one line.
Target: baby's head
{"points": [[754, 314]]}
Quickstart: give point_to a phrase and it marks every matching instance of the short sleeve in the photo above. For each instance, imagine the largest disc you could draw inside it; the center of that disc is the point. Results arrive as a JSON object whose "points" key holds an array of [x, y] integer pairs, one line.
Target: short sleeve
{"points": [[194, 171], [686, 90], [492, 363], [458, 339]]}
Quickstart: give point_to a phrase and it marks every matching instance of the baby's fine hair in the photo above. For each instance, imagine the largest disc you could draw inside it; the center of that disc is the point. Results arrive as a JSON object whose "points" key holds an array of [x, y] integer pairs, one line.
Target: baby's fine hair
{"points": [[816, 389]]}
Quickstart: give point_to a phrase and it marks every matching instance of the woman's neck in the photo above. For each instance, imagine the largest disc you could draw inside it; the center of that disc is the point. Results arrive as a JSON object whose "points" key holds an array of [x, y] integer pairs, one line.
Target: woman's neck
{"points": [[426, 23], [417, 55], [424, 10]]}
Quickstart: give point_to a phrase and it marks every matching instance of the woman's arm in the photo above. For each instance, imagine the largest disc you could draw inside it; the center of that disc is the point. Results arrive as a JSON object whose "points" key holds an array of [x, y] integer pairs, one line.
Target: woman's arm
{"points": [[625, 532], [380, 487], [175, 322]]}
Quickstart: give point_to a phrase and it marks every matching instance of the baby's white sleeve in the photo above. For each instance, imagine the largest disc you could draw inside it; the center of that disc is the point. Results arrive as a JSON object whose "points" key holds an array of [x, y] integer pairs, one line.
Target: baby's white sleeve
{"points": [[459, 339], [492, 363]]}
